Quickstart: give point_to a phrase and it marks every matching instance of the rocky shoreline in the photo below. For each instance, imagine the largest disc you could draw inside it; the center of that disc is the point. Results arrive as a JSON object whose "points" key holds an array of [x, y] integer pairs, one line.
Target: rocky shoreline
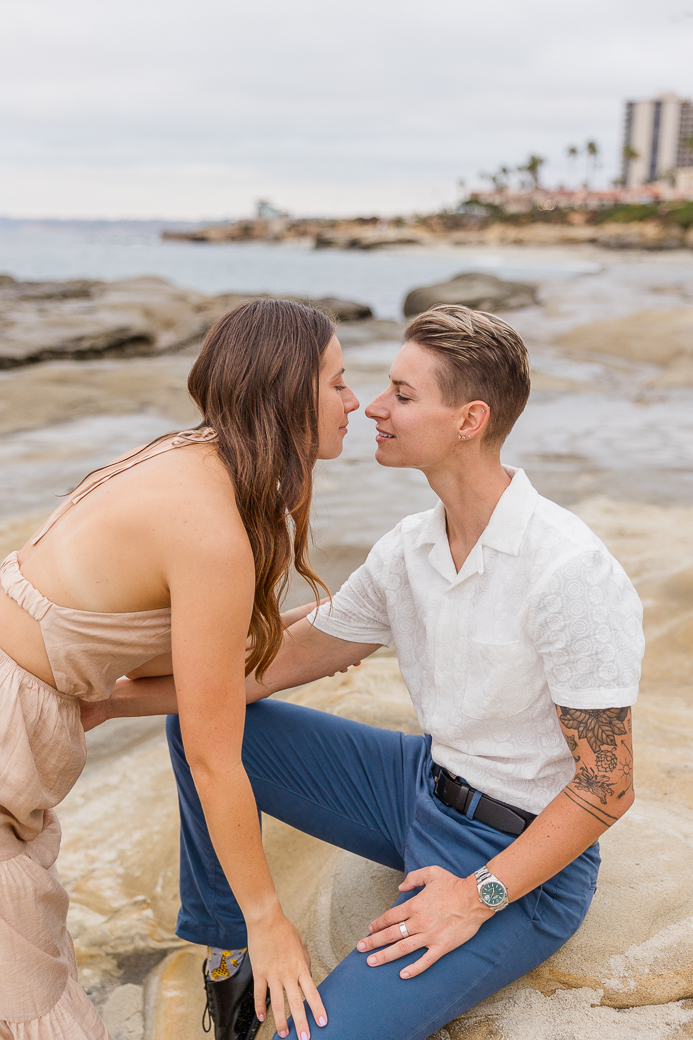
{"points": [[132, 317], [369, 233]]}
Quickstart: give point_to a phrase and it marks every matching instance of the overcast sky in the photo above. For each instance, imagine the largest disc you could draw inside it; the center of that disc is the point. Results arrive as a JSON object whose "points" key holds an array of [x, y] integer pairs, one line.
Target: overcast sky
{"points": [[197, 108]]}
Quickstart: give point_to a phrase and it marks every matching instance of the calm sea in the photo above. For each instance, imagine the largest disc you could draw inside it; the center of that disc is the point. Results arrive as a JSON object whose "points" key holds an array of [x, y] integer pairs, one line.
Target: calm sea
{"points": [[43, 250]]}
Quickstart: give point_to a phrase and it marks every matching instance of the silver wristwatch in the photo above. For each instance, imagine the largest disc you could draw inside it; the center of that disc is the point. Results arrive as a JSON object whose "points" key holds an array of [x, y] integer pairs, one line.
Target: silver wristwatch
{"points": [[492, 892]]}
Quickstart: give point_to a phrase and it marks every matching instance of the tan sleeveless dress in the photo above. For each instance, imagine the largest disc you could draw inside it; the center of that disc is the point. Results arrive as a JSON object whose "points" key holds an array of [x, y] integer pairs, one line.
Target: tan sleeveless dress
{"points": [[42, 753]]}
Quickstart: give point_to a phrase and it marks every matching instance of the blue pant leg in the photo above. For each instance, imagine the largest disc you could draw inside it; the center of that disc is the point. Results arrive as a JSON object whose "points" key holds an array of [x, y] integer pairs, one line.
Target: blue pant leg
{"points": [[209, 915], [352, 785], [376, 1004]]}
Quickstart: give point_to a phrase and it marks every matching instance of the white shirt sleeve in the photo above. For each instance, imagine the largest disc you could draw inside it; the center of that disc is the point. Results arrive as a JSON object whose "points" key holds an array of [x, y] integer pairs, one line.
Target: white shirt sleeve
{"points": [[587, 629], [358, 612]]}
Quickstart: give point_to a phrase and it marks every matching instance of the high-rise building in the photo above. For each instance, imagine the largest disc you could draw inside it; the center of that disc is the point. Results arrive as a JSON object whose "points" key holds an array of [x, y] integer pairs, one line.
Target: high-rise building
{"points": [[658, 139]]}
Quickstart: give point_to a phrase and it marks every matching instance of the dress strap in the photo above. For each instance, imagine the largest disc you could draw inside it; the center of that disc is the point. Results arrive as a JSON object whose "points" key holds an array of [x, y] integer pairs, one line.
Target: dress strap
{"points": [[206, 433], [20, 590]]}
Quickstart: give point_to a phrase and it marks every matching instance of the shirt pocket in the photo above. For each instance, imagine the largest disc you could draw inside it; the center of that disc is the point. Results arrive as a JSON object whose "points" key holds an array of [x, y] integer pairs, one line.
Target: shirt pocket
{"points": [[501, 680]]}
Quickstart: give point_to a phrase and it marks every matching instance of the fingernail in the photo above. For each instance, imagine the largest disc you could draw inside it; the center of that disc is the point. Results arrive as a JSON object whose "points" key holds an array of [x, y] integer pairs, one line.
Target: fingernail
{"points": [[283, 1034], [373, 960], [304, 1035], [405, 975], [361, 946], [322, 1021], [261, 1017]]}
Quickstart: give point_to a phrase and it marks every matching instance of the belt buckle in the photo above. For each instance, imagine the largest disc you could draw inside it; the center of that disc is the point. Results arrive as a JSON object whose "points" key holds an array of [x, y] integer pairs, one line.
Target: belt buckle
{"points": [[462, 790], [443, 775]]}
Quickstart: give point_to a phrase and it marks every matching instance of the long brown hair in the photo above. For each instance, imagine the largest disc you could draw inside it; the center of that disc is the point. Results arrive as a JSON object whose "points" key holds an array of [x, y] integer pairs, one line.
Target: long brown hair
{"points": [[256, 383]]}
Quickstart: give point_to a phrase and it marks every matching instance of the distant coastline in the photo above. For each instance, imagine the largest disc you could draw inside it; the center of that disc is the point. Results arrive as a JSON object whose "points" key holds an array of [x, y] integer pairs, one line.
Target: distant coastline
{"points": [[478, 221]]}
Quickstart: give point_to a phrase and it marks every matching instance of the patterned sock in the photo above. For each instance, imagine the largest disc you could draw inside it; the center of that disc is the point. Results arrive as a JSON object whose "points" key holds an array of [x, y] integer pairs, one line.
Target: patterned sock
{"points": [[222, 964]]}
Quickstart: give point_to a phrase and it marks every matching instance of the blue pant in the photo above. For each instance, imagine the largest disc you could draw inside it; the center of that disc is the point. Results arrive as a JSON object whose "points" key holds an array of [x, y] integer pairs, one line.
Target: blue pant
{"points": [[370, 791]]}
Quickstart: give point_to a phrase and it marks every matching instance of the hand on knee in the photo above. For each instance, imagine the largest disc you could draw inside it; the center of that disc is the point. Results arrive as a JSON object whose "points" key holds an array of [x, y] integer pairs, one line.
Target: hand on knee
{"points": [[446, 914]]}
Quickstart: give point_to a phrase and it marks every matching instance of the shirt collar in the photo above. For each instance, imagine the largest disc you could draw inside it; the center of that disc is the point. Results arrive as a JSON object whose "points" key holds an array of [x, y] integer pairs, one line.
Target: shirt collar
{"points": [[504, 531], [506, 528]]}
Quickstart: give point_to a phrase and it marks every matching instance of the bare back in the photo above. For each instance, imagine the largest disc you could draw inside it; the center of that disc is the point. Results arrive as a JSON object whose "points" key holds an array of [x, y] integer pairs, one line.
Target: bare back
{"points": [[109, 549]]}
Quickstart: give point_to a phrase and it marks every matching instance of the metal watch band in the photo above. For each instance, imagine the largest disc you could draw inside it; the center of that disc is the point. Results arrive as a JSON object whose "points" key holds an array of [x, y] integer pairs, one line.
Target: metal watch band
{"points": [[482, 875]]}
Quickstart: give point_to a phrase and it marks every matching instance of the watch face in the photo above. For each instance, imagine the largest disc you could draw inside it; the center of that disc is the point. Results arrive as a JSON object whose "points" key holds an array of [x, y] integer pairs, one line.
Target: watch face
{"points": [[492, 893]]}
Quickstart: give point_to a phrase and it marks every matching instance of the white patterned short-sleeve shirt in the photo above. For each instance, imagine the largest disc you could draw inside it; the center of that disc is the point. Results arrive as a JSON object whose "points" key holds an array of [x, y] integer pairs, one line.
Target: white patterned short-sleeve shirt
{"points": [[540, 614]]}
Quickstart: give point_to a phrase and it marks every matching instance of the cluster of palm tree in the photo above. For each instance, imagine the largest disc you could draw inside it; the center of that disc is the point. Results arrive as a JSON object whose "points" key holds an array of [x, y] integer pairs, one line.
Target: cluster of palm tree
{"points": [[590, 151], [529, 174], [530, 171]]}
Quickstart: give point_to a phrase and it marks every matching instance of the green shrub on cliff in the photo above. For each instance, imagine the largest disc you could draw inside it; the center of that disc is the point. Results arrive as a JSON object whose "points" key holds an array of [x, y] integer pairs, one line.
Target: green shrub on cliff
{"points": [[679, 214]]}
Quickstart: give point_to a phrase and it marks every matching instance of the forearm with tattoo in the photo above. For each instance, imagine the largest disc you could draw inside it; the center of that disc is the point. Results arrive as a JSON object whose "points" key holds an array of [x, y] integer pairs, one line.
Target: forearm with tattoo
{"points": [[602, 745]]}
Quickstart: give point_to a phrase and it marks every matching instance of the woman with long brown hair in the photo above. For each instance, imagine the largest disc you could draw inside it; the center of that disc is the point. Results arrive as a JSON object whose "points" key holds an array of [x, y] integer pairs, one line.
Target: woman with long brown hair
{"points": [[177, 566]]}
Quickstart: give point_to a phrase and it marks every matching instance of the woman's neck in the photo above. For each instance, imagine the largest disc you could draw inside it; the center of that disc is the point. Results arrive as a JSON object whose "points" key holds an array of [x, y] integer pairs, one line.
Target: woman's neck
{"points": [[470, 491]]}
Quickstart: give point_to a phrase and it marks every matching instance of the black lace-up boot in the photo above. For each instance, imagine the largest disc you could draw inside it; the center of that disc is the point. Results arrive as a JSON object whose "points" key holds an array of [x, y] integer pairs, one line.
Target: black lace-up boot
{"points": [[231, 1005]]}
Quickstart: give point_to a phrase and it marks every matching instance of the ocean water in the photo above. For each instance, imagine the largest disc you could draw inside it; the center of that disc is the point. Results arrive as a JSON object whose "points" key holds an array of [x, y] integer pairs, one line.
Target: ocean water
{"points": [[35, 251]]}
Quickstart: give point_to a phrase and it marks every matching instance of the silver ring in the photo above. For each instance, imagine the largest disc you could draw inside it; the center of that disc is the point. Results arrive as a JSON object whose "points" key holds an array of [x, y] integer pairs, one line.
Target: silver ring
{"points": [[403, 929]]}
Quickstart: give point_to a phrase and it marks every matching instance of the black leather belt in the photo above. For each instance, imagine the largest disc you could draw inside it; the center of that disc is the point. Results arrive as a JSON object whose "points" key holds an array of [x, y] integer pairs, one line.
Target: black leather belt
{"points": [[454, 792]]}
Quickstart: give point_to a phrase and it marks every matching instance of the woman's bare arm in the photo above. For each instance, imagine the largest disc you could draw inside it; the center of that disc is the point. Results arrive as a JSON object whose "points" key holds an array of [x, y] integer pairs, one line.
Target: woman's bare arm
{"points": [[132, 698], [207, 564], [307, 654], [151, 690]]}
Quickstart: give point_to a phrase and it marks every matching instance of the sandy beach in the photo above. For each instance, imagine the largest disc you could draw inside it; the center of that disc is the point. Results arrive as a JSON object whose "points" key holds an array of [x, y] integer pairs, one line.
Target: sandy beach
{"points": [[608, 433]]}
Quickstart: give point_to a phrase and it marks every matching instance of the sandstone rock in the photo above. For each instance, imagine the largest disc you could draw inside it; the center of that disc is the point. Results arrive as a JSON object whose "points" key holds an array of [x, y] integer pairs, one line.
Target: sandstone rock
{"points": [[334, 307], [342, 310], [174, 997], [482, 292], [669, 605], [569, 1015], [133, 316], [366, 241], [123, 1012], [645, 234], [41, 395], [120, 849], [656, 337], [650, 541], [40, 321]]}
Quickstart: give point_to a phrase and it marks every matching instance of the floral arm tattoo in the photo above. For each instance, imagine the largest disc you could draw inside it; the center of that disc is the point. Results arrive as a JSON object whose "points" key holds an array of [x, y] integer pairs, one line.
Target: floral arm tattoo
{"points": [[601, 743]]}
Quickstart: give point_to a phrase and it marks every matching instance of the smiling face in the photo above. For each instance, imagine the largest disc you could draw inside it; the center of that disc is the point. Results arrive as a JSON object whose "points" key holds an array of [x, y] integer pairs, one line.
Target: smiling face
{"points": [[335, 402], [414, 428]]}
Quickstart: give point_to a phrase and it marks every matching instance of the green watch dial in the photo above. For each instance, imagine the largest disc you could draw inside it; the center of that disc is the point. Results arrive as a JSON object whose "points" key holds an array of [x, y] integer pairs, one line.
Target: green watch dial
{"points": [[492, 893]]}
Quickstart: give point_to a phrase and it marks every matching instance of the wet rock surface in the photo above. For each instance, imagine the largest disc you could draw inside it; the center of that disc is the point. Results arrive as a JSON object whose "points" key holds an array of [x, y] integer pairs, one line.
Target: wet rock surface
{"points": [[482, 292], [657, 338], [40, 321], [132, 317]]}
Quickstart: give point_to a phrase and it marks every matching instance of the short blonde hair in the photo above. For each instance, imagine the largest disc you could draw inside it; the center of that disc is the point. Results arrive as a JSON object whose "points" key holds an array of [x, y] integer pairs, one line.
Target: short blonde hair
{"points": [[480, 358]]}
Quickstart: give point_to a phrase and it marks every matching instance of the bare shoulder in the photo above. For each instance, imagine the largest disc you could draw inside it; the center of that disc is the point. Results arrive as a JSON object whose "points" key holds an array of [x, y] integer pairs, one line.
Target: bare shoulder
{"points": [[195, 480], [186, 499]]}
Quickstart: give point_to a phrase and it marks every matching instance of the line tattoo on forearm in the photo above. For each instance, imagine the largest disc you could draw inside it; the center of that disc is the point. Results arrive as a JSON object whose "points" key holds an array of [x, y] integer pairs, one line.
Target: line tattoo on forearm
{"points": [[594, 810]]}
